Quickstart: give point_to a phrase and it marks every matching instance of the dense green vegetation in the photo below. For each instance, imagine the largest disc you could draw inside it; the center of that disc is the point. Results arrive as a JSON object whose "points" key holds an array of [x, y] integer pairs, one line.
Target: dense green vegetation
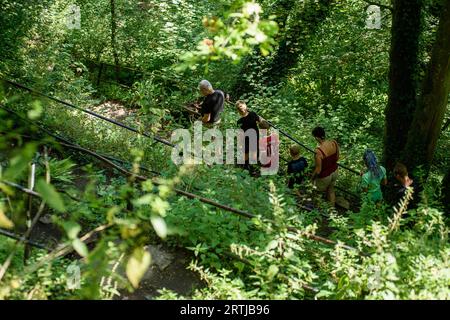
{"points": [[299, 64]]}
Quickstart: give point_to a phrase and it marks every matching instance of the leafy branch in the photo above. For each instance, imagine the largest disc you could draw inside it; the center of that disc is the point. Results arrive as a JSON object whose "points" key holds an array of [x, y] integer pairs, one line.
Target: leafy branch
{"points": [[233, 39], [394, 223]]}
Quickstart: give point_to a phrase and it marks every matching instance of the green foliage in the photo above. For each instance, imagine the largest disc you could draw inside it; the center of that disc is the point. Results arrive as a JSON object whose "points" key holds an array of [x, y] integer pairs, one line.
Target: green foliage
{"points": [[50, 195], [233, 39], [61, 170], [337, 79]]}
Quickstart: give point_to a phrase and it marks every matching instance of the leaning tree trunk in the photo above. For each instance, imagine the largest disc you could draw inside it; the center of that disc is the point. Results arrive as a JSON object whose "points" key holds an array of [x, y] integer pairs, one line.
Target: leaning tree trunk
{"points": [[403, 77], [429, 116]]}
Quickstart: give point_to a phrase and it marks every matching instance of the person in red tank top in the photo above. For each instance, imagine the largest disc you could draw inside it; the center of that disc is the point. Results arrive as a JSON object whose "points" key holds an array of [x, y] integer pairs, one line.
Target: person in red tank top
{"points": [[325, 173]]}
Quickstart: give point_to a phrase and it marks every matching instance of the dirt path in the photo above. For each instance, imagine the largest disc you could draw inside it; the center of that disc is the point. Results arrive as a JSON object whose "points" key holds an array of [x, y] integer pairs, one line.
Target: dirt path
{"points": [[168, 269]]}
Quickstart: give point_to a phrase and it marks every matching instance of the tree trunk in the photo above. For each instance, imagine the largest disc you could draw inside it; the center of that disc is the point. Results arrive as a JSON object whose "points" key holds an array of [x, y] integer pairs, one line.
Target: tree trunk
{"points": [[403, 77], [429, 116], [113, 37]]}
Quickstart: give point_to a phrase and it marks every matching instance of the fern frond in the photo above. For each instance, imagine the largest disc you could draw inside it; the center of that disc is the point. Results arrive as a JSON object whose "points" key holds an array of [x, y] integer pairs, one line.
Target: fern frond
{"points": [[401, 209]]}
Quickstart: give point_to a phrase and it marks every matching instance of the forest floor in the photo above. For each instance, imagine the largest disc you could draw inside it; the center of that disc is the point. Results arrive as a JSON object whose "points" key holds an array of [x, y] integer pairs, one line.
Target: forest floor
{"points": [[114, 110], [168, 269]]}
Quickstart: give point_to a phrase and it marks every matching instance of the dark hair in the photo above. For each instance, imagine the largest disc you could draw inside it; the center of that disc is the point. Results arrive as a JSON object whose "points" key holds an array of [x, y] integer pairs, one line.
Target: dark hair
{"points": [[400, 170], [371, 161], [319, 132]]}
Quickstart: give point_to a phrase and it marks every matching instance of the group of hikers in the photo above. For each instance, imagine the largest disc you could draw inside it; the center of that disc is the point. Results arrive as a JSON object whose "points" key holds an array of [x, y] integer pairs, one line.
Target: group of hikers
{"points": [[325, 170]]}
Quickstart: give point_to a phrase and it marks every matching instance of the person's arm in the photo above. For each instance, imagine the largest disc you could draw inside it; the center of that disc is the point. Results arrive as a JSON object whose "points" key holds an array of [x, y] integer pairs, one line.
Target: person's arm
{"points": [[206, 117], [318, 166], [338, 150], [206, 110], [384, 182], [289, 169]]}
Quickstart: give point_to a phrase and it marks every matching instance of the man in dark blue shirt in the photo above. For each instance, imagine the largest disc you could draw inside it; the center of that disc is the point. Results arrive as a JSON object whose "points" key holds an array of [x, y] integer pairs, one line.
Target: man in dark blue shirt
{"points": [[212, 106], [296, 168]]}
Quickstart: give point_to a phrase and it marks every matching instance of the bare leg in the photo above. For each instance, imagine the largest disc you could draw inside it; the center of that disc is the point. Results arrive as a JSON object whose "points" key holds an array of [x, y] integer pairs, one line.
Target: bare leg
{"points": [[331, 195]]}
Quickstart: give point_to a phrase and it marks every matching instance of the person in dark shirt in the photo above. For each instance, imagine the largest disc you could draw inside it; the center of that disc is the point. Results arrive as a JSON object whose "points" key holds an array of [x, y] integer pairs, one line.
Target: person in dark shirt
{"points": [[405, 182], [249, 124], [296, 168], [212, 105]]}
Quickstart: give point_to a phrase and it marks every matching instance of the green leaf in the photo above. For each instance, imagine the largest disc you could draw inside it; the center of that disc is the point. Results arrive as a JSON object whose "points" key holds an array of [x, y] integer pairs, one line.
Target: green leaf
{"points": [[160, 206], [80, 247], [20, 163], [324, 293], [272, 245], [239, 265], [4, 221], [50, 195], [36, 112], [137, 265], [272, 271], [144, 200], [6, 189], [72, 229], [160, 226]]}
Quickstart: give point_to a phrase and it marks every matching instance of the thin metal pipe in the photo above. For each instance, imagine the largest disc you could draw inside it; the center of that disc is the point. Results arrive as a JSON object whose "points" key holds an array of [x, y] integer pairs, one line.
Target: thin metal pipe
{"points": [[192, 196], [23, 239], [287, 135], [21, 188], [158, 139], [201, 199], [59, 138], [117, 123]]}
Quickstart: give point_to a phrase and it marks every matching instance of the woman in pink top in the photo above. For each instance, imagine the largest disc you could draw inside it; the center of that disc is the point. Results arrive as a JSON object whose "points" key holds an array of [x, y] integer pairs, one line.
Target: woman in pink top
{"points": [[269, 145], [325, 173]]}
